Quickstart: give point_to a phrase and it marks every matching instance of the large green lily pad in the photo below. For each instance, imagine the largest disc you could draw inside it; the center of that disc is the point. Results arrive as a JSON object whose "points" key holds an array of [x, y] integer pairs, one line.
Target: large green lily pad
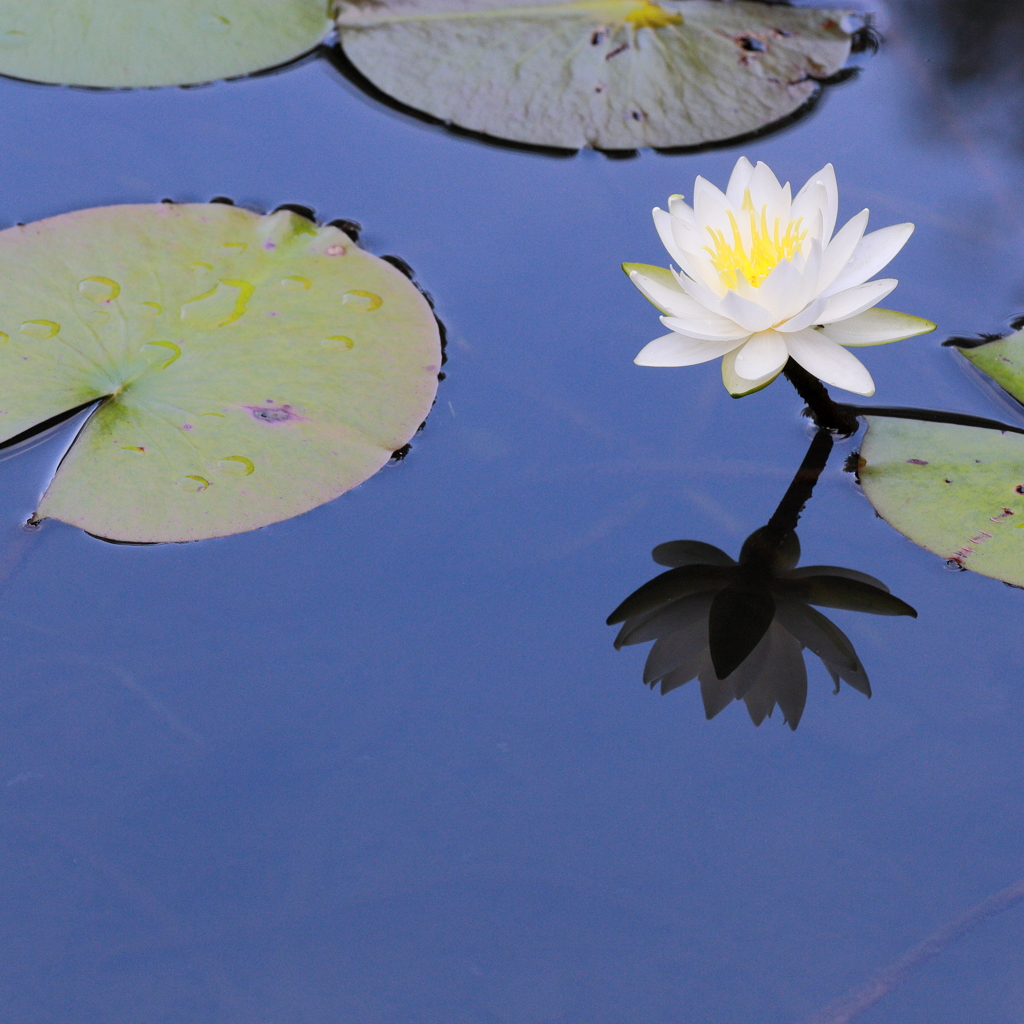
{"points": [[247, 367], [612, 74], [131, 43], [956, 490], [1003, 361]]}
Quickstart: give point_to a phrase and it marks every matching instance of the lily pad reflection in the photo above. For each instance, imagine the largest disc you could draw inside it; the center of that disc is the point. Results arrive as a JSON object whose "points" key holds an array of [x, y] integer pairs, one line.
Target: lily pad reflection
{"points": [[740, 626]]}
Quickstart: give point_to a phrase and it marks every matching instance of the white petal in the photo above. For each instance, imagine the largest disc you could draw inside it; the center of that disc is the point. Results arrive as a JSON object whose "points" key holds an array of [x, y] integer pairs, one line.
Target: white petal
{"points": [[763, 354], [874, 252], [696, 288], [745, 290], [710, 207], [839, 251], [780, 291], [692, 243], [708, 328], [877, 327], [738, 386], [668, 297], [675, 350], [843, 305], [813, 238], [765, 190], [811, 208], [747, 314], [738, 181], [829, 362], [663, 225], [690, 237], [791, 285], [810, 316], [681, 209], [696, 264], [826, 177]]}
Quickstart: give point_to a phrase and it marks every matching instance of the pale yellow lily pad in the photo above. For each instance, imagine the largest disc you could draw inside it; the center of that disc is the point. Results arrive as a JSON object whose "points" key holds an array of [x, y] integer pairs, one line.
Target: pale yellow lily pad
{"points": [[247, 367]]}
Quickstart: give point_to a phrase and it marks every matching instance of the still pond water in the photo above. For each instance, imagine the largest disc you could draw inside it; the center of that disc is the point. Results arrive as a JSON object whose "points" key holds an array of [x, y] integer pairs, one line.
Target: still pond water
{"points": [[380, 764]]}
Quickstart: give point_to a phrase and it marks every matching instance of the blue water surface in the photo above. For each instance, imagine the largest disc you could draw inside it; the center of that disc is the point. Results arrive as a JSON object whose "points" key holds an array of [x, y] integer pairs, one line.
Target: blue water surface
{"points": [[380, 764]]}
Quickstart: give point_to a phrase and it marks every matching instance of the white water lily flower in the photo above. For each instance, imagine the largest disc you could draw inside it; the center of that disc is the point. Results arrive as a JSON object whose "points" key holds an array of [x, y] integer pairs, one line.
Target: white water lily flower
{"points": [[762, 278]]}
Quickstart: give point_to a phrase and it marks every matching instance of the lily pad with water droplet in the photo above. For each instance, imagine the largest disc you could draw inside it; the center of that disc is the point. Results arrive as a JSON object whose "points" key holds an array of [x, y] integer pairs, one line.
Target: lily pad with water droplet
{"points": [[953, 489], [225, 400], [134, 43], [612, 74]]}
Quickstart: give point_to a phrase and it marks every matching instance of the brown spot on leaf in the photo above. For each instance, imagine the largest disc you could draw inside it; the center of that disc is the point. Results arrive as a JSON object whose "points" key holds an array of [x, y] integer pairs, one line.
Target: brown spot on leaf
{"points": [[272, 414]]}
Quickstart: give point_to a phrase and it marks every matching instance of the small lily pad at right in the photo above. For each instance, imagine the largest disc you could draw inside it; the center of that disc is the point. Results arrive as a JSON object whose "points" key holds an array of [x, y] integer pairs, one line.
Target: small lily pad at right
{"points": [[1002, 360], [955, 490]]}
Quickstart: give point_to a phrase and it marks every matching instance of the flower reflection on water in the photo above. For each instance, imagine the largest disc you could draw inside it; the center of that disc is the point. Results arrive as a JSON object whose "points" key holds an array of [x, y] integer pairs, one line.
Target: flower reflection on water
{"points": [[740, 627]]}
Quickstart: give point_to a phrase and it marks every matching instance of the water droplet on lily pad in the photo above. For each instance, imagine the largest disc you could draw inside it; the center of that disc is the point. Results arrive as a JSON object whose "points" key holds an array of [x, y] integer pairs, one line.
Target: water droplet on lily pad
{"points": [[330, 422], [39, 328], [161, 353], [226, 302], [236, 465], [193, 484], [612, 74], [120, 44], [99, 289], [362, 302]]}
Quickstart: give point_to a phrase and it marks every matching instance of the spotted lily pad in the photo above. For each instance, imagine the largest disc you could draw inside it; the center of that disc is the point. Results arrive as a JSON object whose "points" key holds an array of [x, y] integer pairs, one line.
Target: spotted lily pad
{"points": [[131, 43], [956, 490], [612, 74], [247, 368]]}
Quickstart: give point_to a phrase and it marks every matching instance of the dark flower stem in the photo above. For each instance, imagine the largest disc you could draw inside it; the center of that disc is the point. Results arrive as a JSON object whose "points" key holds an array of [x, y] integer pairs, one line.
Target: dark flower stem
{"points": [[786, 516], [825, 413], [929, 416]]}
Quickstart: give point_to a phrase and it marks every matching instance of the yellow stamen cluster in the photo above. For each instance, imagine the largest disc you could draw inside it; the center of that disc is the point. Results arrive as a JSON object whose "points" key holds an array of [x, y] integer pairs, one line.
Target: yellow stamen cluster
{"points": [[767, 247], [649, 15]]}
